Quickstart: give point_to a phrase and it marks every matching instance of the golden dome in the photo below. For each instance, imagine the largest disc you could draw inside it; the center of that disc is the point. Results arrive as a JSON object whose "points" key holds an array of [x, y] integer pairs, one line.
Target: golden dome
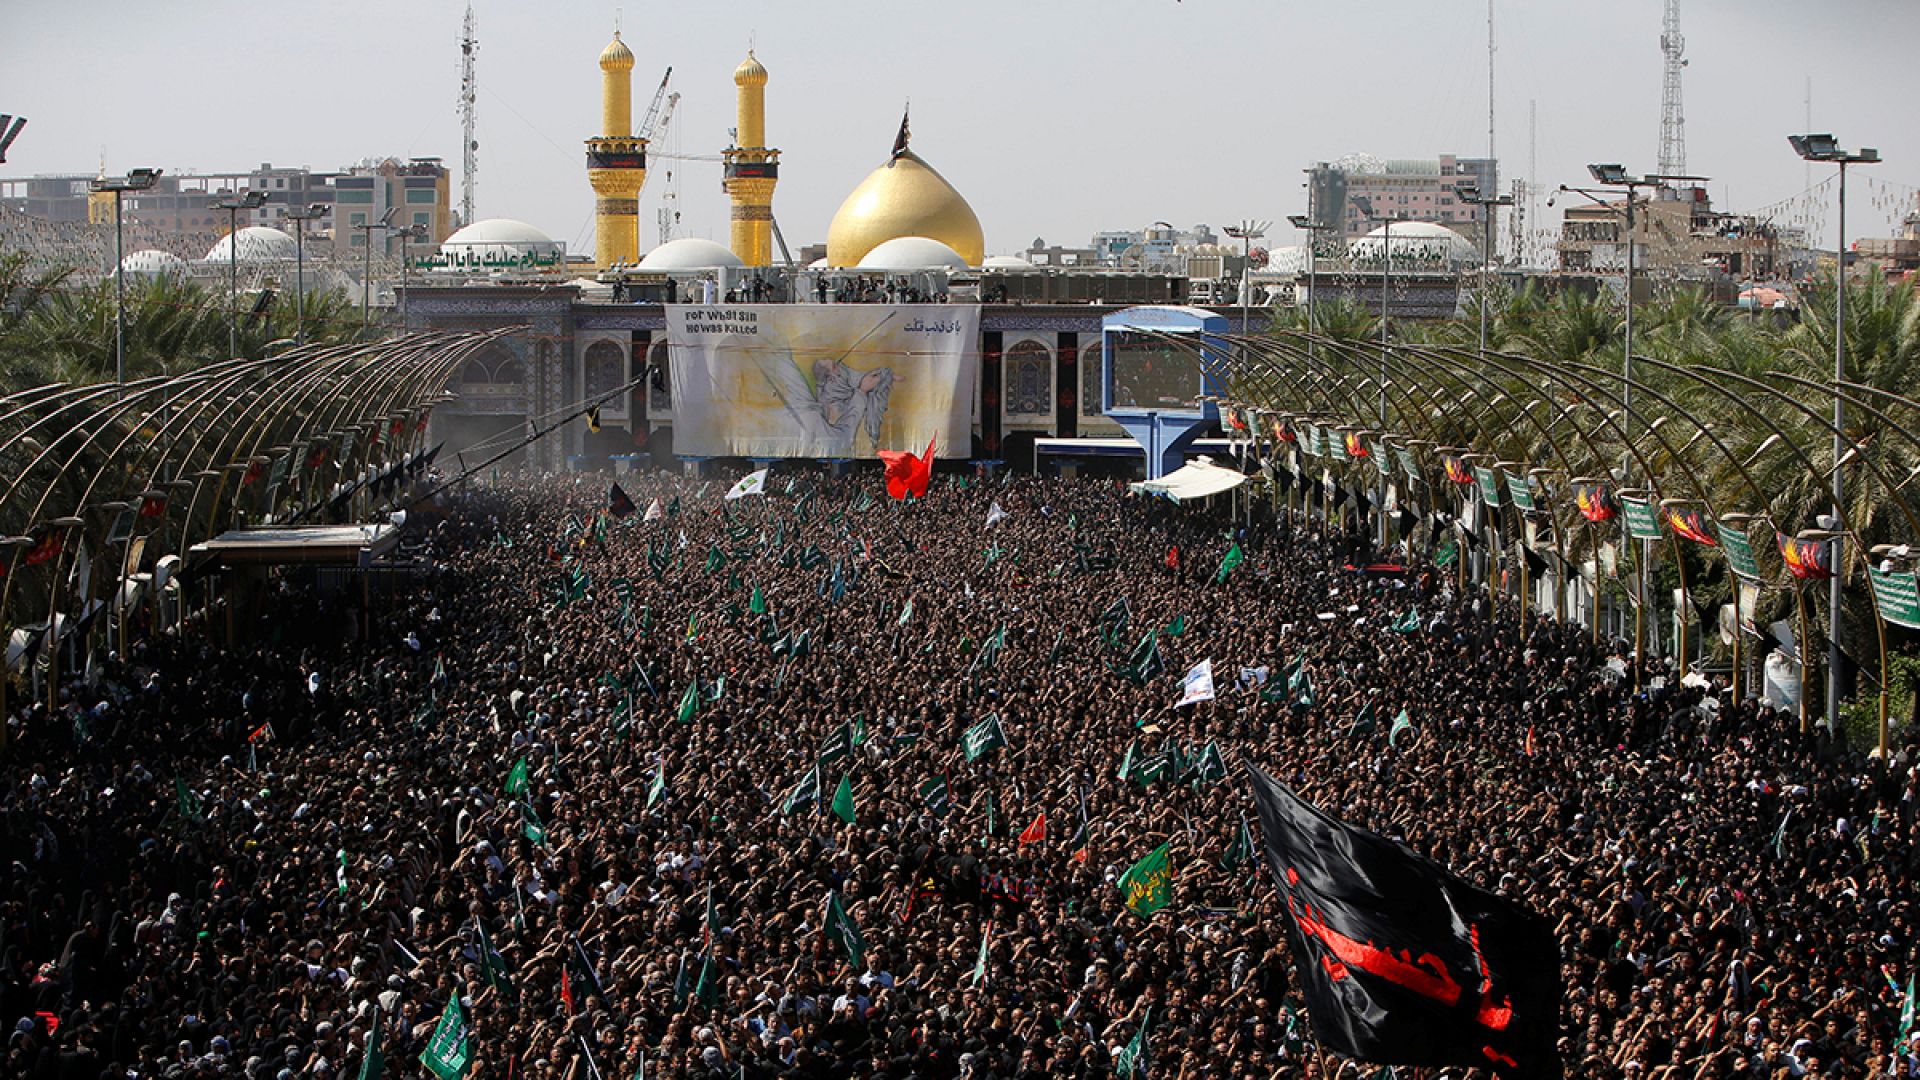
{"points": [[616, 56], [904, 197], [750, 72]]}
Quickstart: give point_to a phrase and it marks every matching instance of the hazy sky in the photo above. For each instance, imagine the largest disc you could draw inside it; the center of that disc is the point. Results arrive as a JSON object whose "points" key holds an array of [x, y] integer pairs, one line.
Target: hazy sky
{"points": [[1056, 118]]}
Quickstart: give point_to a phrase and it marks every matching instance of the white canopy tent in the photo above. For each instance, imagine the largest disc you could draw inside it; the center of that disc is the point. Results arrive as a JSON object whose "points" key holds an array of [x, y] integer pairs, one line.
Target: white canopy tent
{"points": [[1197, 479]]}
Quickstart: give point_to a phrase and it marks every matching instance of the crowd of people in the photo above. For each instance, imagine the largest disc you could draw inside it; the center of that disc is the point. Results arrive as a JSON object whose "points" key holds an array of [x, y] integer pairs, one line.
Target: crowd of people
{"points": [[613, 782]]}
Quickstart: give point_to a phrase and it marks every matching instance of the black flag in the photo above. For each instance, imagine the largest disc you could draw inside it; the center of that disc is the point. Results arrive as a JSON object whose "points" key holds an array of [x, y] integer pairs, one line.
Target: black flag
{"points": [[900, 140], [1401, 962], [619, 503]]}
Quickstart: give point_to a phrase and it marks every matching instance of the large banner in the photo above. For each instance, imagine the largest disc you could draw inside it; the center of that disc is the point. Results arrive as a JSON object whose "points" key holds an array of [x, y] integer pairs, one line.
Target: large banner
{"points": [[822, 380]]}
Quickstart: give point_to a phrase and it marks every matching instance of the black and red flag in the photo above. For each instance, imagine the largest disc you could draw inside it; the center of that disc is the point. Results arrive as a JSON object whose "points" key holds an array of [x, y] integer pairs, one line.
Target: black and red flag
{"points": [[1805, 559], [1691, 524], [619, 503], [1401, 962], [1595, 502], [1457, 470], [46, 548]]}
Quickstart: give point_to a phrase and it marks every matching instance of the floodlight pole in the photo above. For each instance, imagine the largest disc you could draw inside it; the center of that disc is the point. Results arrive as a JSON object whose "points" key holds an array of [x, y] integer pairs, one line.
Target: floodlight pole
{"points": [[300, 218], [1823, 147], [137, 180]]}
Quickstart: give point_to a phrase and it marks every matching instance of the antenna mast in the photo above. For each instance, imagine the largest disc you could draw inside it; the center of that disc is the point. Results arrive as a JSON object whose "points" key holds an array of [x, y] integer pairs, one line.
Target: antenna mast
{"points": [[1673, 120], [469, 145]]}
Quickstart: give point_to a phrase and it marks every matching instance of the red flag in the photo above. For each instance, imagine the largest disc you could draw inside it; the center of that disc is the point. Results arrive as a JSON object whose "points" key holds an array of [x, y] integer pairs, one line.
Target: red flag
{"points": [[260, 732], [566, 986], [1173, 557], [908, 474], [1529, 746], [1457, 470], [253, 474], [47, 549], [1355, 448], [1035, 832], [1805, 559], [153, 506], [1596, 504], [1692, 525]]}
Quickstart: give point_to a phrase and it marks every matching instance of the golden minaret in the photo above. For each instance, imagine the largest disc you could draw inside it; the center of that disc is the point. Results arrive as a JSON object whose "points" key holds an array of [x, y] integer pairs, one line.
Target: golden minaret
{"points": [[751, 170], [616, 162]]}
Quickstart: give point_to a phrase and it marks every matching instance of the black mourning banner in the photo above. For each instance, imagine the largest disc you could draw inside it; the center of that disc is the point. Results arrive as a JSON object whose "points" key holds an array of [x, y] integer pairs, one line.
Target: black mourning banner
{"points": [[1401, 962]]}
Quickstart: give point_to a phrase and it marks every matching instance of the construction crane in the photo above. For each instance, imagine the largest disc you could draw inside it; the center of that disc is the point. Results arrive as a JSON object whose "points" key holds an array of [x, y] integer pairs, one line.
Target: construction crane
{"points": [[669, 212], [648, 121]]}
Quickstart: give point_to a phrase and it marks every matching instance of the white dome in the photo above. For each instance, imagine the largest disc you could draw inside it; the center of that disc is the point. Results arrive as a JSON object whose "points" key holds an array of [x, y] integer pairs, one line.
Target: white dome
{"points": [[152, 263], [912, 253], [1006, 262], [689, 253], [498, 231], [818, 264], [1419, 241], [258, 243], [1288, 259], [496, 242]]}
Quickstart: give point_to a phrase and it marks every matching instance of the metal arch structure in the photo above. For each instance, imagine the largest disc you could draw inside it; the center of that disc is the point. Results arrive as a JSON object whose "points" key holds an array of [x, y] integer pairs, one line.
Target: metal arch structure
{"points": [[1511, 409], [99, 480]]}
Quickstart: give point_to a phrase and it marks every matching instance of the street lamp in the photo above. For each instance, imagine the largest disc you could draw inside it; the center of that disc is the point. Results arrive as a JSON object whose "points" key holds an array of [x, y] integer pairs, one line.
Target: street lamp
{"points": [[1386, 280], [137, 180], [1824, 147], [366, 273], [313, 212], [1470, 195], [410, 232], [1313, 229], [1615, 175], [252, 200]]}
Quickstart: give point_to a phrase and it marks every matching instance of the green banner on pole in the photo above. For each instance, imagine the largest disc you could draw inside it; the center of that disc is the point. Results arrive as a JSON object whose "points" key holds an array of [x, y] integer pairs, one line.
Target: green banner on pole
{"points": [[1521, 488], [1489, 484], [1897, 594], [1407, 464], [1739, 549], [1640, 522]]}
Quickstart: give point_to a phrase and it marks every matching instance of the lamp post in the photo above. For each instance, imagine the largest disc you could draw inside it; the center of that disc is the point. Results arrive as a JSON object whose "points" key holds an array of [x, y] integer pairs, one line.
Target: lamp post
{"points": [[1313, 229], [251, 200], [1470, 195], [1386, 283], [313, 212], [410, 232], [1824, 147], [137, 180], [1615, 175], [366, 272]]}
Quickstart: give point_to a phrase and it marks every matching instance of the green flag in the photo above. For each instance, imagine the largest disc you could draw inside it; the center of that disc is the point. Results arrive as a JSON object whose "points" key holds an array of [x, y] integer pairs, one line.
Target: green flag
{"points": [[706, 989], [493, 966], [1408, 623], [1177, 627], [934, 792], [449, 1051], [1211, 765], [658, 788], [843, 800], [839, 927], [1402, 725], [806, 791], [1131, 1062], [1240, 852], [758, 605], [983, 738], [530, 825], [689, 703], [1148, 884], [906, 613], [189, 802], [373, 1060], [340, 875], [1229, 563], [838, 744], [980, 965], [715, 558], [517, 778], [1907, 1011]]}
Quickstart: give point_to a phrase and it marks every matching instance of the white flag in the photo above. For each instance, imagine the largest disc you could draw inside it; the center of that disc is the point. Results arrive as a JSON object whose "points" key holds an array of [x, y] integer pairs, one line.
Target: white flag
{"points": [[994, 514], [754, 483], [654, 511], [1198, 685]]}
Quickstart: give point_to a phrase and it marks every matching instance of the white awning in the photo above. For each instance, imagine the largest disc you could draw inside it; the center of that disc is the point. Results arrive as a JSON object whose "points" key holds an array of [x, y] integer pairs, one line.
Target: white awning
{"points": [[1197, 479]]}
